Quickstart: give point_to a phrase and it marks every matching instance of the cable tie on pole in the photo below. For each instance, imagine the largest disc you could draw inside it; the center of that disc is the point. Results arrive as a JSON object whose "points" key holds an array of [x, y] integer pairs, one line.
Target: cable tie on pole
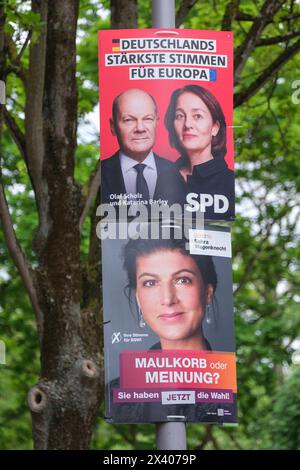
{"points": [[176, 418], [166, 32]]}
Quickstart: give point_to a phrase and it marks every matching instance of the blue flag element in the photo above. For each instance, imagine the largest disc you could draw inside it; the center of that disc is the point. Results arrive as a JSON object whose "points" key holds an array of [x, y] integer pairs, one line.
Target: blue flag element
{"points": [[213, 75]]}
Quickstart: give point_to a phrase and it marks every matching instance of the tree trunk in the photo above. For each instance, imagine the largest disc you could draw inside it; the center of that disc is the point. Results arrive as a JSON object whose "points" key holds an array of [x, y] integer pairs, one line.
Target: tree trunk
{"points": [[66, 400], [64, 292], [123, 14]]}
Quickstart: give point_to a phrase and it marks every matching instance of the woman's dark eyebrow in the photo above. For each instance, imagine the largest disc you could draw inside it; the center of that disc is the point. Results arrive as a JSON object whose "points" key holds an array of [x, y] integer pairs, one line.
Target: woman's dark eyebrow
{"points": [[147, 274], [184, 270], [193, 109], [173, 274]]}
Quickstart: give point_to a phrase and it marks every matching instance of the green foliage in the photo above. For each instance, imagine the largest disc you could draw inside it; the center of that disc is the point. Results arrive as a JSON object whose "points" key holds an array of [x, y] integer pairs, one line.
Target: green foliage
{"points": [[90, 22], [284, 419], [123, 436], [17, 324], [265, 242], [21, 19]]}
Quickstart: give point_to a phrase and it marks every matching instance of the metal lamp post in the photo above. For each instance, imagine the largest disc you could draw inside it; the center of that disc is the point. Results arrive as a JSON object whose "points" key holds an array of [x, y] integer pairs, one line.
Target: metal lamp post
{"points": [[170, 435]]}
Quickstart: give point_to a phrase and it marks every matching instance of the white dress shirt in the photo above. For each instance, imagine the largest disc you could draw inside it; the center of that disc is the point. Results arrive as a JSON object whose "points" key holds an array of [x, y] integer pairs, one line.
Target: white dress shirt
{"points": [[130, 173]]}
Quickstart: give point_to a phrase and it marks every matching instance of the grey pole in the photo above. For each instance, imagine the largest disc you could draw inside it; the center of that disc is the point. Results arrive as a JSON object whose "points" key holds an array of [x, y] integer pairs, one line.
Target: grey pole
{"points": [[163, 13], [172, 435]]}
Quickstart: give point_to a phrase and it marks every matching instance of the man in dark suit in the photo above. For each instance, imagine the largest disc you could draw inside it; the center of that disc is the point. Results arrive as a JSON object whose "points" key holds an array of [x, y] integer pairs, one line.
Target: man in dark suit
{"points": [[135, 170]]}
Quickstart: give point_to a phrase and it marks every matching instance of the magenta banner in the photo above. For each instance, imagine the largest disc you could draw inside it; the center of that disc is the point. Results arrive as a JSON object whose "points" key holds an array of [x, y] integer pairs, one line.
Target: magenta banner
{"points": [[172, 396]]}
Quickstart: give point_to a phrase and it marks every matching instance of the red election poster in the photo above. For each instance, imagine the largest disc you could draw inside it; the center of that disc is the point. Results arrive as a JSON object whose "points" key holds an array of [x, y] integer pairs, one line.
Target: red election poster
{"points": [[166, 106]]}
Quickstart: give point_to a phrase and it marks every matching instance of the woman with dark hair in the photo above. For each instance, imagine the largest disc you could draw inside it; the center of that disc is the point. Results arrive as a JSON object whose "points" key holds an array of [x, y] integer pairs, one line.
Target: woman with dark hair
{"points": [[171, 289], [171, 296], [197, 129]]}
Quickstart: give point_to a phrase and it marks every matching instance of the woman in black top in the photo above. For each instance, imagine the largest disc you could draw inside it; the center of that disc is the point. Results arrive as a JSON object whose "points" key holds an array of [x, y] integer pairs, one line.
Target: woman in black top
{"points": [[170, 289], [197, 129]]}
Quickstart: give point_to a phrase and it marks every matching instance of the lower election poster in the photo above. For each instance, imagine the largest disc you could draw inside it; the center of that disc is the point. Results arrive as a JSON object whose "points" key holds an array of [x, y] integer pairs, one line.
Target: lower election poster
{"points": [[168, 327]]}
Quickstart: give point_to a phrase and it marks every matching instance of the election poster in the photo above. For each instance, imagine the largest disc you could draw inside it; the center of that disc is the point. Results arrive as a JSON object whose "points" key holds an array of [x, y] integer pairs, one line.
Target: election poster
{"points": [[169, 343], [166, 107]]}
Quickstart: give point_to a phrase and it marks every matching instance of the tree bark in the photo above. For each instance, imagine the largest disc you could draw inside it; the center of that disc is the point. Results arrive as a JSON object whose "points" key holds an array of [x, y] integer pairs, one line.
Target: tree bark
{"points": [[123, 14], [65, 402], [183, 11], [231, 11]]}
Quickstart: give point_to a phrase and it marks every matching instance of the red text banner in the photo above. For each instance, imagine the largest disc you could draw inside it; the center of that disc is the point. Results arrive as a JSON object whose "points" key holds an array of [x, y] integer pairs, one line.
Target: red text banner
{"points": [[184, 369]]}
